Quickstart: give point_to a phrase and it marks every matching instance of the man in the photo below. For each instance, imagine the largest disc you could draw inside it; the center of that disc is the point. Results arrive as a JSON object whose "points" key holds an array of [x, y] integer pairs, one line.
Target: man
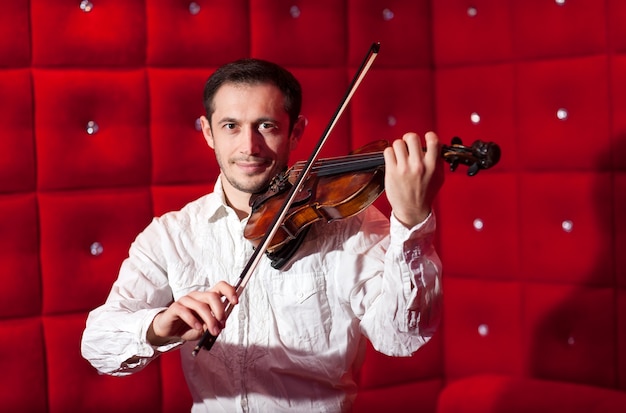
{"points": [[296, 335]]}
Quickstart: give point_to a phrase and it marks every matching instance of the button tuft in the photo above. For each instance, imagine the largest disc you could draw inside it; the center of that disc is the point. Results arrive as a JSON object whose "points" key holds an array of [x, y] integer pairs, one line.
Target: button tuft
{"points": [[92, 127], [96, 249], [388, 14], [478, 224], [86, 6], [475, 118], [295, 11], [194, 8], [567, 225]]}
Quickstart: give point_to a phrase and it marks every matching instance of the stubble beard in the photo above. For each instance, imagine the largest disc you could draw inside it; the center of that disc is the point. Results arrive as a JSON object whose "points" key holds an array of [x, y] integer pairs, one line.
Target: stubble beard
{"points": [[248, 184]]}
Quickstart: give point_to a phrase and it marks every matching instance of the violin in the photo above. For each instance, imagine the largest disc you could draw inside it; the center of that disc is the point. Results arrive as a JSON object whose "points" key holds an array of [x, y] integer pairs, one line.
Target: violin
{"points": [[338, 188]]}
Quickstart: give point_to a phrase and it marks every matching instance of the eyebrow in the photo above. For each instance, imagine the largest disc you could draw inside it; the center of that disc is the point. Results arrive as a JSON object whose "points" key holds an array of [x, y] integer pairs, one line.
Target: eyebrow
{"points": [[227, 120], [268, 119], [257, 121]]}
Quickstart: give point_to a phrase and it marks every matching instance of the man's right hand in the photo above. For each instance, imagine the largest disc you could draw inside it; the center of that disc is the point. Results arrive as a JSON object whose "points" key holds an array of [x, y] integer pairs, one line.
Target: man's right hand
{"points": [[192, 314]]}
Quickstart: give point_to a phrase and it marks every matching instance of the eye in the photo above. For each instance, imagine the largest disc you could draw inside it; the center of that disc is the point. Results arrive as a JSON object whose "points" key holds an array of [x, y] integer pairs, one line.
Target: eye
{"points": [[229, 126], [266, 126]]}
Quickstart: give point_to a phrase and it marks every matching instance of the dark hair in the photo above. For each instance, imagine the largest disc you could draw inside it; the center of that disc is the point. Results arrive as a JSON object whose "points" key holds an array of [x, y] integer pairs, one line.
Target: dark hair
{"points": [[256, 71]]}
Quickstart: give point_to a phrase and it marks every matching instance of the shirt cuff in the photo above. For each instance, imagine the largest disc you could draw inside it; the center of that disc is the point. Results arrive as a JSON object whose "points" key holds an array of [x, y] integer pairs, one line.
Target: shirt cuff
{"points": [[400, 234], [143, 333]]}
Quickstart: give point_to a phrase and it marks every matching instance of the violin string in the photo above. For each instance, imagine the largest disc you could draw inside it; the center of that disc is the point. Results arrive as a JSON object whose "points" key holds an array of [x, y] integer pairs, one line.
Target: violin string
{"points": [[355, 162]]}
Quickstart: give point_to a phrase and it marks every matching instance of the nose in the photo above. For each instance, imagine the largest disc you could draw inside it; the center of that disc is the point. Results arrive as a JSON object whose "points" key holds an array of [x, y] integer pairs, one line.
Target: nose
{"points": [[250, 141]]}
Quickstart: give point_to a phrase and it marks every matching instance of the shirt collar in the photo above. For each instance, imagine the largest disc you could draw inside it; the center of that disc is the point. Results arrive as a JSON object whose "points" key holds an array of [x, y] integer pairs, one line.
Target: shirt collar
{"points": [[216, 201], [216, 205]]}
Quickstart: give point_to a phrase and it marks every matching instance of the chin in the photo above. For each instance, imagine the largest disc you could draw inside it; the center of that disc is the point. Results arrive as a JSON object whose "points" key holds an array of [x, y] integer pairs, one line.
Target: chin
{"points": [[250, 187]]}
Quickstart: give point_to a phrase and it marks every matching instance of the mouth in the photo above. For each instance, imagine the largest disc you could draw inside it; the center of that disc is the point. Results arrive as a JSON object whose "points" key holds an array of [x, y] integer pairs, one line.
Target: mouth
{"points": [[252, 167]]}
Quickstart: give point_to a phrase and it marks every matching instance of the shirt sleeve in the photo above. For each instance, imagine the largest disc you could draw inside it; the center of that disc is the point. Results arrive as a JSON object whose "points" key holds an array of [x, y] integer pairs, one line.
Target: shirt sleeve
{"points": [[401, 305], [114, 340]]}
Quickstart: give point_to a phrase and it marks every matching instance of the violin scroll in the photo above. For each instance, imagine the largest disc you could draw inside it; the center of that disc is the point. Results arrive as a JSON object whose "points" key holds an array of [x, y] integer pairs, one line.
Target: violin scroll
{"points": [[481, 155]]}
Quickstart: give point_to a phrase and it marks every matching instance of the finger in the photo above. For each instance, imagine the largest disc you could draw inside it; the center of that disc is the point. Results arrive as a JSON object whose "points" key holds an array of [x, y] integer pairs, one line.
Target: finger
{"points": [[211, 305], [390, 156], [197, 304], [226, 290], [414, 144], [400, 153], [185, 314], [433, 149]]}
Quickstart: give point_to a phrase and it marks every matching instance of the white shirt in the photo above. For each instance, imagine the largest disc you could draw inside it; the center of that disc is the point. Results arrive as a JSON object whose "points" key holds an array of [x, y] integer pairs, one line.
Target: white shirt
{"points": [[296, 338]]}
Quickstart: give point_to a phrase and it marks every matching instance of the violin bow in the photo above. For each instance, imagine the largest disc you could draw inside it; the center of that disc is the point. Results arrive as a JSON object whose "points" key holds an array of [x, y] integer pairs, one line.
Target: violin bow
{"points": [[207, 340]]}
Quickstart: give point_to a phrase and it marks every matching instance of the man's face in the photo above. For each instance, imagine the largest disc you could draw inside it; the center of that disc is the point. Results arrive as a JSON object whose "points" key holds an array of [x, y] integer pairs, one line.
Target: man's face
{"points": [[250, 135]]}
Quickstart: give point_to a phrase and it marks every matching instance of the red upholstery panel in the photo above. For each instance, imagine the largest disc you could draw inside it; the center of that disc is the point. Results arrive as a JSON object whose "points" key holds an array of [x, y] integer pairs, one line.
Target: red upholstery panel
{"points": [[471, 32], [478, 102], [383, 371], [501, 394], [552, 28], [111, 33], [482, 327], [616, 14], [378, 113], [84, 237], [478, 226], [17, 161], [418, 396], [548, 142], [323, 90], [91, 128], [23, 380], [566, 222], [202, 33], [20, 294], [619, 194], [14, 34], [618, 105], [306, 32], [78, 388], [176, 396], [621, 339], [171, 198], [180, 153], [570, 333], [402, 27]]}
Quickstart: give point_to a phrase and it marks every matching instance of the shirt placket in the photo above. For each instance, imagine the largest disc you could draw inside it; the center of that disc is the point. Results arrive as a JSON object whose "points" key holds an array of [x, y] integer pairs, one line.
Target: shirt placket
{"points": [[245, 250]]}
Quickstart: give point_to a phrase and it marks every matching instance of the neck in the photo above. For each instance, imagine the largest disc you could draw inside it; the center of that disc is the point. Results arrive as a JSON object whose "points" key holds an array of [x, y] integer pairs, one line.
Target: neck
{"points": [[239, 201]]}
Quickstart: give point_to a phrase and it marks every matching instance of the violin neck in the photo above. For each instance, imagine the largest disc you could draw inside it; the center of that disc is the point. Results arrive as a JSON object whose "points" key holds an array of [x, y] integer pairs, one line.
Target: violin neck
{"points": [[350, 163]]}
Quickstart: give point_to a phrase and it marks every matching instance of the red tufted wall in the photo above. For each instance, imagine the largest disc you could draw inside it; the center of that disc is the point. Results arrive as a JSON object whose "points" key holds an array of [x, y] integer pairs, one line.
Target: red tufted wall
{"points": [[99, 103], [535, 253]]}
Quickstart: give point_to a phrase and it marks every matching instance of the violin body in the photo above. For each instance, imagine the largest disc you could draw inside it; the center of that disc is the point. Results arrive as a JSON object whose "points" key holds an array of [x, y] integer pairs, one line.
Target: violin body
{"points": [[327, 194]]}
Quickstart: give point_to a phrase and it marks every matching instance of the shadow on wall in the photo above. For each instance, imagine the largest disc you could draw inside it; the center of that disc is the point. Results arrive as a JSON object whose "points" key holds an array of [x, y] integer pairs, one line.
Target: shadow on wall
{"points": [[573, 319]]}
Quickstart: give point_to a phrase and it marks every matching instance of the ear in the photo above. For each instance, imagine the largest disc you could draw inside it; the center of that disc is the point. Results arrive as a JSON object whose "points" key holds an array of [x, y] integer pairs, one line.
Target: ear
{"points": [[207, 132], [297, 132]]}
